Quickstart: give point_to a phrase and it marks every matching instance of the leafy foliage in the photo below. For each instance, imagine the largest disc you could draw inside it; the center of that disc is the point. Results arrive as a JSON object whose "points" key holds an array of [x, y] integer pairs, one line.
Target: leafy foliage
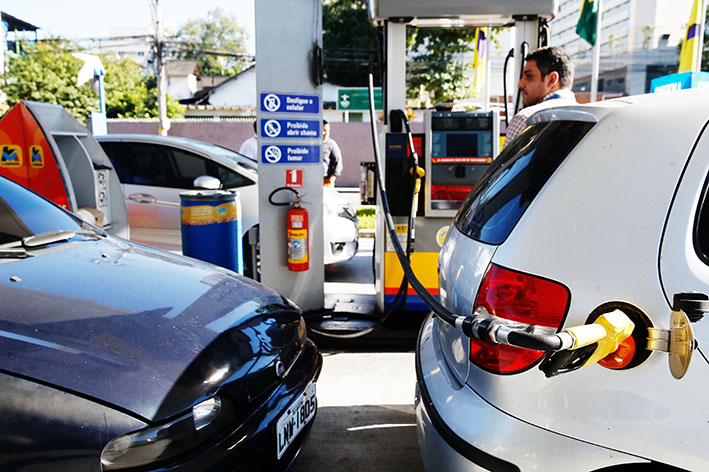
{"points": [[130, 93], [217, 42], [435, 64], [349, 41], [45, 71]]}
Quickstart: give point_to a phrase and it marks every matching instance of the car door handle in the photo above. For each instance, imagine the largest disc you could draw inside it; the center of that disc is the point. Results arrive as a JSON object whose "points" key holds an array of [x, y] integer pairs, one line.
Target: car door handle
{"points": [[142, 198]]}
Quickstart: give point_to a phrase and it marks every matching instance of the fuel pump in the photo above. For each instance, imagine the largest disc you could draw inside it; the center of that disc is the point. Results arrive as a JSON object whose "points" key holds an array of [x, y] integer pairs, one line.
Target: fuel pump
{"points": [[456, 148], [47, 150]]}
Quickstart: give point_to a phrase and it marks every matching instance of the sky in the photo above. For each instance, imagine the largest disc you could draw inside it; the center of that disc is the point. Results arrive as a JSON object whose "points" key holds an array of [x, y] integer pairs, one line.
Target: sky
{"points": [[79, 19]]}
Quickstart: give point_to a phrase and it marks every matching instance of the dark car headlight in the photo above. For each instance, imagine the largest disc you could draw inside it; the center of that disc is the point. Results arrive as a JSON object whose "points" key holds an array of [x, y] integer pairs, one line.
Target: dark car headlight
{"points": [[166, 442]]}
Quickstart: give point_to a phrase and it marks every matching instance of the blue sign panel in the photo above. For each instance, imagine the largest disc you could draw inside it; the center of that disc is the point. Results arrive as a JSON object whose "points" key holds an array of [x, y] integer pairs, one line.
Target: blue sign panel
{"points": [[680, 81], [278, 154], [289, 103], [299, 129]]}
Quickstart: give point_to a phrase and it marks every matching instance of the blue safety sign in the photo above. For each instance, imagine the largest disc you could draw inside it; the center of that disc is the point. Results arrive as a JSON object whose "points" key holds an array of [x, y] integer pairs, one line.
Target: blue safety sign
{"points": [[289, 103], [300, 129], [289, 154]]}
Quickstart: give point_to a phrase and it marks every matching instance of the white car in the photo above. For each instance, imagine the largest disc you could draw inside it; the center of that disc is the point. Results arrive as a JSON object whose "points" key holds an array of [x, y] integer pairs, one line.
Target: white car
{"points": [[593, 208], [154, 170]]}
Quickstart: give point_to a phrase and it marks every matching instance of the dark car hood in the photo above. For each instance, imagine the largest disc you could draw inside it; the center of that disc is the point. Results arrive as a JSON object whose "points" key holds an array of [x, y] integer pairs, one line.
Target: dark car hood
{"points": [[121, 323]]}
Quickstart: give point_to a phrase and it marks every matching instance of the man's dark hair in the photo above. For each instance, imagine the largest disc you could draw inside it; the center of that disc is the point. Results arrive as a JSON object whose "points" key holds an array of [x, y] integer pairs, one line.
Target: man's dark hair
{"points": [[553, 59]]}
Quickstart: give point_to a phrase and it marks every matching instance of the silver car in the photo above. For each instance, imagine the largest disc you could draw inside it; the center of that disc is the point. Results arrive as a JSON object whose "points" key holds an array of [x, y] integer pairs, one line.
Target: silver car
{"points": [[154, 170], [592, 209]]}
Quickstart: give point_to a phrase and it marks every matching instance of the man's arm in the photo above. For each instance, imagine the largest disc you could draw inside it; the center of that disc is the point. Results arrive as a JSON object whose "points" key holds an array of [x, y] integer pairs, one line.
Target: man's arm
{"points": [[335, 160]]}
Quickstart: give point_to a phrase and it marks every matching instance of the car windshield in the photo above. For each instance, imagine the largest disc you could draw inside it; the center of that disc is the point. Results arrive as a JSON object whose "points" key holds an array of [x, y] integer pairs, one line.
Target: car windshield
{"points": [[513, 180], [25, 215]]}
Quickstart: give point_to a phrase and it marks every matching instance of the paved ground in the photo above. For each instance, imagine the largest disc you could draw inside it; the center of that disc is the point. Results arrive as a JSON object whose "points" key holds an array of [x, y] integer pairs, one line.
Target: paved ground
{"points": [[365, 419]]}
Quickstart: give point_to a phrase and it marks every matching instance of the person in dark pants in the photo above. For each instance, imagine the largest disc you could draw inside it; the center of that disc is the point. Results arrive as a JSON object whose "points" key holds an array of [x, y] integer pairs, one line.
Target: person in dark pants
{"points": [[331, 157]]}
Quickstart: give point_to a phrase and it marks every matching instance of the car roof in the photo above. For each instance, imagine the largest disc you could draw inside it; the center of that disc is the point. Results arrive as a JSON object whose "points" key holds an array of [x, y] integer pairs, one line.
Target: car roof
{"points": [[216, 152], [688, 105]]}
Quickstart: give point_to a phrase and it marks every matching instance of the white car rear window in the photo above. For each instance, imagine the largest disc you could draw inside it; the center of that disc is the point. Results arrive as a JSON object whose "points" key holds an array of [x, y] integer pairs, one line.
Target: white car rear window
{"points": [[508, 187]]}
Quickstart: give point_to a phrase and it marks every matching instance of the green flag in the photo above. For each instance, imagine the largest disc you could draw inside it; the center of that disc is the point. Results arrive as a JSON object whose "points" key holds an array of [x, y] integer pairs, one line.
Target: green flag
{"points": [[586, 27]]}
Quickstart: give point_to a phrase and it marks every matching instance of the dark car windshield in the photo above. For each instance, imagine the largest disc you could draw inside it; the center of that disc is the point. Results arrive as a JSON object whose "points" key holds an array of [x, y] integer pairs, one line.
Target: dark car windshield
{"points": [[23, 214], [513, 180]]}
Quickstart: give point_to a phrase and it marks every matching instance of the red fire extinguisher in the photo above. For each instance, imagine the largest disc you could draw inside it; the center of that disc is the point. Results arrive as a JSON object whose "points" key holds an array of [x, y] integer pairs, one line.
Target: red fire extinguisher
{"points": [[297, 229]]}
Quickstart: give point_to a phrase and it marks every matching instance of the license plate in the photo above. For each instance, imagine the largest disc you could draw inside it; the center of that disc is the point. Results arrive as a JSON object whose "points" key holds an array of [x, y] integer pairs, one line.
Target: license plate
{"points": [[294, 419]]}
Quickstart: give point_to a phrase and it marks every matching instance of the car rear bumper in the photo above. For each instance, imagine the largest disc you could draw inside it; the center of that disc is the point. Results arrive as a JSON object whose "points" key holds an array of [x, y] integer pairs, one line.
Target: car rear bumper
{"points": [[340, 239], [460, 431]]}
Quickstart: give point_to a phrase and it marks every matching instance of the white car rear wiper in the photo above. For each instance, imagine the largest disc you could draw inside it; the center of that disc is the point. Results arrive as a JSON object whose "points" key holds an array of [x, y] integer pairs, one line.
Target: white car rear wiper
{"points": [[50, 237]]}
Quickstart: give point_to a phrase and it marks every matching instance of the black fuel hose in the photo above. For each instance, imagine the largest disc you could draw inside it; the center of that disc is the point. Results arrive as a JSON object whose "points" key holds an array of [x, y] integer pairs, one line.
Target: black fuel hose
{"points": [[510, 55], [401, 294], [441, 311], [524, 49]]}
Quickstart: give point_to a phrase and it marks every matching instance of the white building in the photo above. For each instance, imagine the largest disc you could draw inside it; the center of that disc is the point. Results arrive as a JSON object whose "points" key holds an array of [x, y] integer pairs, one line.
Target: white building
{"points": [[182, 76], [639, 41], [134, 43]]}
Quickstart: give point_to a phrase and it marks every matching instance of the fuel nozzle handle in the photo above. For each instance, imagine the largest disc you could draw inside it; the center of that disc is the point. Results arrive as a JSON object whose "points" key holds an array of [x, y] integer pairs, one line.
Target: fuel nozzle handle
{"points": [[608, 331], [493, 330]]}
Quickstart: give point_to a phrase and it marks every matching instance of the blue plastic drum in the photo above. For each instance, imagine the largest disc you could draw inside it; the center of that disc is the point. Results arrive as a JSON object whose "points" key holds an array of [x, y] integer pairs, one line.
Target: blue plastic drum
{"points": [[211, 227]]}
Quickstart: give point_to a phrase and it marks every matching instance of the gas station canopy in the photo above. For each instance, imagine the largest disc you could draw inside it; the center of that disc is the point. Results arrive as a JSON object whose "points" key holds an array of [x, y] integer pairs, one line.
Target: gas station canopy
{"points": [[459, 13]]}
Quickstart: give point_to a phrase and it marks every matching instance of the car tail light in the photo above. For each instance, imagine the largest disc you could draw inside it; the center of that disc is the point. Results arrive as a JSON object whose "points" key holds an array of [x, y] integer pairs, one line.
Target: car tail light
{"points": [[522, 298]]}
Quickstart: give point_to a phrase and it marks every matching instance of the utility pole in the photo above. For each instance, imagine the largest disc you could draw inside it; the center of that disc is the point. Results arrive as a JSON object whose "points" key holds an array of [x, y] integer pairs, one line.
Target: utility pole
{"points": [[596, 65], [160, 69]]}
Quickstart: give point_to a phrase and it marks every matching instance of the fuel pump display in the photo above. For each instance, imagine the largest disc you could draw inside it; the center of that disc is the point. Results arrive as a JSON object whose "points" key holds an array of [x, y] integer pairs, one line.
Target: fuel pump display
{"points": [[460, 147]]}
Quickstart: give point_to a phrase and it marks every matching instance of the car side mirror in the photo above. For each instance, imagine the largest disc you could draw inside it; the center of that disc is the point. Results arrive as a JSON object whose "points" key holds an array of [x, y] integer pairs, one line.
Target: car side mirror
{"points": [[207, 182]]}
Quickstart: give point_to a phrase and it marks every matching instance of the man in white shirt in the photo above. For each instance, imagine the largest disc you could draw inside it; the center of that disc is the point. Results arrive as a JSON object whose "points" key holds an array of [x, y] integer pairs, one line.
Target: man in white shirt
{"points": [[249, 148], [546, 82]]}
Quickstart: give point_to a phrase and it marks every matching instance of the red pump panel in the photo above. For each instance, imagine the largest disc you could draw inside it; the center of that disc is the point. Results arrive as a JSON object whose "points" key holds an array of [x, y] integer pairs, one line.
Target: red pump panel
{"points": [[27, 158]]}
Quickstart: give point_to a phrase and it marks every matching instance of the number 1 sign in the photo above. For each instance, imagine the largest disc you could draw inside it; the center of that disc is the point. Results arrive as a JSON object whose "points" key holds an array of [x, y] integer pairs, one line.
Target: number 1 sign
{"points": [[294, 178]]}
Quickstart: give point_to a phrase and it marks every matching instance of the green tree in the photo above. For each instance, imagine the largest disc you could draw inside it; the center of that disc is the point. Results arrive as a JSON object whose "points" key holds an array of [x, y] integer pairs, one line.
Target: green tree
{"points": [[131, 93], [217, 42], [46, 72], [349, 41], [435, 63]]}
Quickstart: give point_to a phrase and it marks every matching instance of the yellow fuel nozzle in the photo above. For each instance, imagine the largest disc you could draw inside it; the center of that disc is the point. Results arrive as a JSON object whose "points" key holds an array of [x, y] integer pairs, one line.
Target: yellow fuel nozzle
{"points": [[417, 186], [608, 331]]}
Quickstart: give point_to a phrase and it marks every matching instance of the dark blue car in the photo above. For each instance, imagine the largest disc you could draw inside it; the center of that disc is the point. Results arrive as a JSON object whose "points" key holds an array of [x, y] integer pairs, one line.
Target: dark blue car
{"points": [[114, 356]]}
